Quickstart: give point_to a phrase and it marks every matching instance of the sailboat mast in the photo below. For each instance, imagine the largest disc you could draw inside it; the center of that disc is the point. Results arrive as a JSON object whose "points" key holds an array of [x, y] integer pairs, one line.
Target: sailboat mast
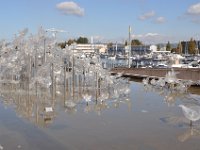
{"points": [[129, 49], [116, 49]]}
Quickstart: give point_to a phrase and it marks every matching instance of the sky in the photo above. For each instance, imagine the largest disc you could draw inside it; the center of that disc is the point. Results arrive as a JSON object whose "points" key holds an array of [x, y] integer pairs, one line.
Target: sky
{"points": [[151, 21]]}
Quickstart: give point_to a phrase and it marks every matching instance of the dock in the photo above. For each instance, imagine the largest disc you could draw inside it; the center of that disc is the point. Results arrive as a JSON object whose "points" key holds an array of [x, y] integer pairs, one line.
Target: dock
{"points": [[192, 74]]}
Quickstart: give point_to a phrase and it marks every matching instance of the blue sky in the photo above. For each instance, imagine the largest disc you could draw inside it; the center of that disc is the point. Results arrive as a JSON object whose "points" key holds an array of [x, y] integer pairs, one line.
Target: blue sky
{"points": [[152, 21]]}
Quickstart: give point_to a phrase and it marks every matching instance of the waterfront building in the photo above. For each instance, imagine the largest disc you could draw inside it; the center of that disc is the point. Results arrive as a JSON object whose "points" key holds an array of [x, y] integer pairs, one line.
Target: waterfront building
{"points": [[143, 49], [135, 49], [185, 44], [140, 49], [91, 48], [163, 48], [117, 48]]}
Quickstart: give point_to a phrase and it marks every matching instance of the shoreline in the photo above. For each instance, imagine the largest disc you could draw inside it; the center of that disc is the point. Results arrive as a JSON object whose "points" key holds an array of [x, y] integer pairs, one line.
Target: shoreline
{"points": [[192, 74]]}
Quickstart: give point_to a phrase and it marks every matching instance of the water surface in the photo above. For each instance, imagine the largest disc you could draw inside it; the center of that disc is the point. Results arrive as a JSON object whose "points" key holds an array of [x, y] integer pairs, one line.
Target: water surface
{"points": [[151, 120]]}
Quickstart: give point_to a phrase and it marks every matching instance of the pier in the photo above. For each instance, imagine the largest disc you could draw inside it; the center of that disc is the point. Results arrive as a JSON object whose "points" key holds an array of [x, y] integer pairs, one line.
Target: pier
{"points": [[182, 73]]}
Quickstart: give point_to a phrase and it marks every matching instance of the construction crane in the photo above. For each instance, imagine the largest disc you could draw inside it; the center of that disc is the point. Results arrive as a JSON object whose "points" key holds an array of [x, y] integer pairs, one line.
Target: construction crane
{"points": [[55, 31]]}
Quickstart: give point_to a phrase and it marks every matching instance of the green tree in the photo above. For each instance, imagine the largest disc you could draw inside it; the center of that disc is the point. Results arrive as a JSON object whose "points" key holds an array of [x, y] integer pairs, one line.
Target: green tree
{"points": [[126, 43], [174, 50], [168, 46], [179, 48], [136, 42], [192, 46], [62, 45], [109, 45], [70, 41], [82, 40], [158, 47]]}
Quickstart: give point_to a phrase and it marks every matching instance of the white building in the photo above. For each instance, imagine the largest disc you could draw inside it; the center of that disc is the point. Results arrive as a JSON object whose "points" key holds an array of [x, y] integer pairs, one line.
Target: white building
{"points": [[91, 48], [143, 49], [153, 48], [163, 48]]}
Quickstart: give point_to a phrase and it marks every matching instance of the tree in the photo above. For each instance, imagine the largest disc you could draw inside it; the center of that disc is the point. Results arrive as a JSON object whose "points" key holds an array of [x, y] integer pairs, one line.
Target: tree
{"points": [[70, 42], [174, 50], [136, 42], [158, 47], [168, 46], [62, 45], [179, 48], [192, 46], [126, 43], [82, 40], [109, 45], [110, 49]]}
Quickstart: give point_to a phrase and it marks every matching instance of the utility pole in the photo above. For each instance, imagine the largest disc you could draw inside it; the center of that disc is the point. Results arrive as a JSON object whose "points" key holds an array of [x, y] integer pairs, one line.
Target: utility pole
{"points": [[129, 49]]}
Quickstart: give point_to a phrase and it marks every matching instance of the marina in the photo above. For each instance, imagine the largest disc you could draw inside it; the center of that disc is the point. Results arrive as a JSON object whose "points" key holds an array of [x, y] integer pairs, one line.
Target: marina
{"points": [[53, 98], [100, 75]]}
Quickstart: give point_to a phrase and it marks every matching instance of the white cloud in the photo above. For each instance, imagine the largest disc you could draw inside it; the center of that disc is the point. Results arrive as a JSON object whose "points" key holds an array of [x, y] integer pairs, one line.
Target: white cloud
{"points": [[194, 9], [152, 38], [147, 15], [192, 14], [147, 38], [70, 8], [151, 34], [160, 20]]}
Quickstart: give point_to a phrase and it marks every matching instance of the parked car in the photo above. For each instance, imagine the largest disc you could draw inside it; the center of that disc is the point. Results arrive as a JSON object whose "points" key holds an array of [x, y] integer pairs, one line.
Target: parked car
{"points": [[161, 66]]}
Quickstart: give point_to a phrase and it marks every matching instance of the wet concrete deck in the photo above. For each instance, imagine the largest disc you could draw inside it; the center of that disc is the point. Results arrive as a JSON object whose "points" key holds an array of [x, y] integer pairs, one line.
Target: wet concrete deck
{"points": [[182, 73]]}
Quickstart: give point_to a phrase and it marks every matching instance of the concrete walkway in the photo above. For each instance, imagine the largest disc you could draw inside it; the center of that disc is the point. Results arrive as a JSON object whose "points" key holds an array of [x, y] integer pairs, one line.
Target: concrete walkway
{"points": [[182, 73]]}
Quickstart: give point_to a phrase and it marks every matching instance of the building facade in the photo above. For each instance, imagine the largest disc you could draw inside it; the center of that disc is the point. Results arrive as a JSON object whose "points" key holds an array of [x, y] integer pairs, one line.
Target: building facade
{"points": [[91, 48], [185, 44], [135, 49], [143, 49]]}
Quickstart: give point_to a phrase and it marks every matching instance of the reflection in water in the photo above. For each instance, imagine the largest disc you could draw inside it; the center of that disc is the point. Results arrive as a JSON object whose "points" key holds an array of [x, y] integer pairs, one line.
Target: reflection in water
{"points": [[173, 93], [190, 105], [39, 106], [188, 134], [175, 121], [37, 109], [170, 96], [191, 112], [191, 132], [136, 129], [169, 85]]}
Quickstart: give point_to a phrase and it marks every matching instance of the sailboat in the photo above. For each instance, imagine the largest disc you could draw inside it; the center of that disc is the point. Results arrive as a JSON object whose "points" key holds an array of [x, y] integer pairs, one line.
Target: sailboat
{"points": [[113, 57]]}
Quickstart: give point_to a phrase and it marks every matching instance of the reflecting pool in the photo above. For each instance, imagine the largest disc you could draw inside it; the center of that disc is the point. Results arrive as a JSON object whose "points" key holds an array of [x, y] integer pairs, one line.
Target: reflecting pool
{"points": [[150, 120]]}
